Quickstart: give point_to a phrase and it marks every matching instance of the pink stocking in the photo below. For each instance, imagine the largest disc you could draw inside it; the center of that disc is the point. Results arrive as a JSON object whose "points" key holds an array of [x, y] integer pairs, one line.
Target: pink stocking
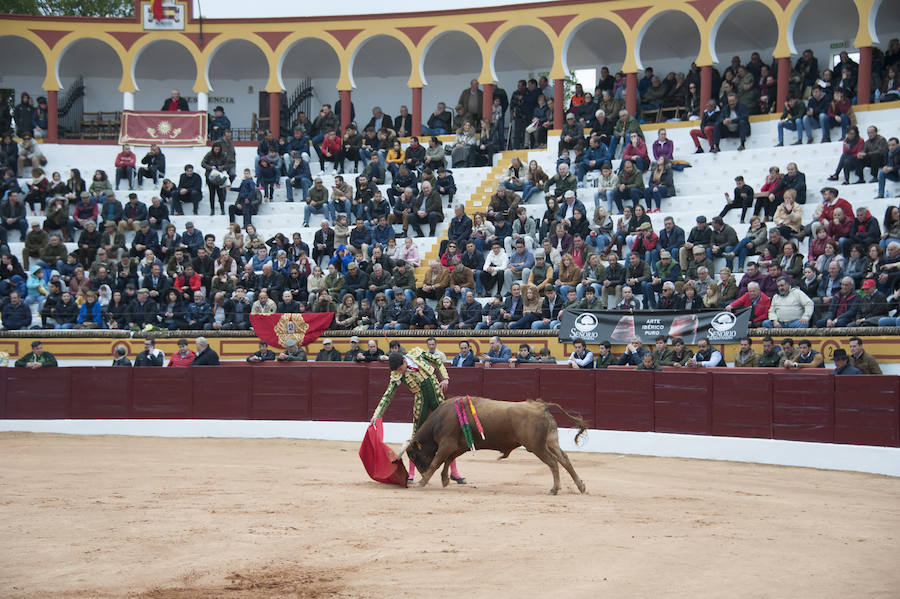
{"points": [[412, 469], [453, 471]]}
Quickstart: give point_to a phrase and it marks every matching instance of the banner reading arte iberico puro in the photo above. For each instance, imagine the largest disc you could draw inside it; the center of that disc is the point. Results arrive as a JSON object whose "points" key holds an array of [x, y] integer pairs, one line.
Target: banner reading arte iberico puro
{"points": [[594, 326]]}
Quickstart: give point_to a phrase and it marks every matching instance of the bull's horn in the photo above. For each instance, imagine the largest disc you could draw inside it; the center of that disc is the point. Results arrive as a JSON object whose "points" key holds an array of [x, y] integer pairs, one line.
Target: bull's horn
{"points": [[403, 449]]}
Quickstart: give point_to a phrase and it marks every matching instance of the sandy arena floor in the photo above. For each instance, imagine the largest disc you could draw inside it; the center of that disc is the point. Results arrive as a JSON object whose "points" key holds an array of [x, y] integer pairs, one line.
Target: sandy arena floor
{"points": [[187, 518]]}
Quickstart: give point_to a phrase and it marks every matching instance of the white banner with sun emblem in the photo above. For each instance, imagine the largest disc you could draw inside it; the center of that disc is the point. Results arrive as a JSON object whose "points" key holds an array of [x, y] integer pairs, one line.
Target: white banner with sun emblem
{"points": [[163, 128]]}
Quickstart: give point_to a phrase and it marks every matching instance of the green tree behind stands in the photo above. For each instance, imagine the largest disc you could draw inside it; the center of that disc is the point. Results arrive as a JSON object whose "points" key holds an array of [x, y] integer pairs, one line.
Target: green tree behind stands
{"points": [[70, 8]]}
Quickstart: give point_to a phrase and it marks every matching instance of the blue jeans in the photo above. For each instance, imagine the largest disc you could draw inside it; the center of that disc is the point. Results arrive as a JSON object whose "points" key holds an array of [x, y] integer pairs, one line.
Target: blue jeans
{"points": [[721, 254], [742, 251], [640, 164], [609, 194], [436, 131], [305, 184], [885, 242], [528, 190], [581, 169], [599, 241], [525, 322], [795, 125], [661, 192], [796, 324], [579, 289], [883, 177], [886, 321], [823, 121], [634, 193], [456, 296], [325, 209], [409, 293], [648, 293]]}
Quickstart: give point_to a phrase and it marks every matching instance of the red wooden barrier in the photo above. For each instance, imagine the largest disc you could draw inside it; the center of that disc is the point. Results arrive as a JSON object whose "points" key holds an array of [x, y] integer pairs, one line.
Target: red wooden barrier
{"points": [[280, 393], [42, 393], [623, 400], [221, 394], [742, 404], [867, 410], [683, 402], [573, 390], [338, 392], [101, 393], [3, 372], [511, 384], [162, 392], [803, 407]]}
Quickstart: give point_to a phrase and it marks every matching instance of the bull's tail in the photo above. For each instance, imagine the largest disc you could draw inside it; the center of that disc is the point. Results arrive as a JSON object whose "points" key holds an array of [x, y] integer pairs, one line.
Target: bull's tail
{"points": [[577, 420]]}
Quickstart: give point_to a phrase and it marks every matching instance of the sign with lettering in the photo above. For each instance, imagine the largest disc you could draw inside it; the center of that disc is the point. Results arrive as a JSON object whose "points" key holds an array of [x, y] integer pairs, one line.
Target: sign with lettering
{"points": [[594, 326]]}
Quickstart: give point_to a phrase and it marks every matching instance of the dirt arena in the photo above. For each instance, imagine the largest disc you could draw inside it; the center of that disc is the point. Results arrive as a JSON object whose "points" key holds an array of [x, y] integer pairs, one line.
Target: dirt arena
{"points": [[155, 518]]}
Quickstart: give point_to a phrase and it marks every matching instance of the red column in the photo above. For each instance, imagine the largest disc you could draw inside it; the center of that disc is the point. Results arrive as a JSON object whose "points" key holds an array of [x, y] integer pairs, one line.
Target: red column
{"points": [[631, 93], [275, 113], [345, 109], [53, 114], [487, 101], [705, 86], [417, 115], [784, 76], [559, 103], [864, 80]]}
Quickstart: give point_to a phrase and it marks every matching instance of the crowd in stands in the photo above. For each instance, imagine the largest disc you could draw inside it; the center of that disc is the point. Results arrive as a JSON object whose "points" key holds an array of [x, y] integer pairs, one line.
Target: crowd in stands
{"points": [[635, 354], [133, 269]]}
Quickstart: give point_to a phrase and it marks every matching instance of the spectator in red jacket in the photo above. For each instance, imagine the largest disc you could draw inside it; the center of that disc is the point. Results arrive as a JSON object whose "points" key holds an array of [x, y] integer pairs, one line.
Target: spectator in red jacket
{"points": [[188, 282], [331, 152], [183, 357], [175, 102], [125, 163], [853, 145], [756, 299]]}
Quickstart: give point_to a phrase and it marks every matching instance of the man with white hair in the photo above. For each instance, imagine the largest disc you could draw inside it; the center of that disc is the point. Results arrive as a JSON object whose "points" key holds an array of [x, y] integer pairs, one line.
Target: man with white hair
{"points": [[790, 307], [755, 299], [563, 180], [890, 269], [843, 306], [205, 356]]}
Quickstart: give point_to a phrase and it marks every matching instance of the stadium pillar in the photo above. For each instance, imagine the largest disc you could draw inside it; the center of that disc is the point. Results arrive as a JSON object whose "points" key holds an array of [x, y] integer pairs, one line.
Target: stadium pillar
{"points": [[416, 111], [345, 108], [559, 103], [864, 80], [631, 94], [784, 77], [705, 86], [487, 101], [203, 101], [275, 113], [128, 101], [52, 115]]}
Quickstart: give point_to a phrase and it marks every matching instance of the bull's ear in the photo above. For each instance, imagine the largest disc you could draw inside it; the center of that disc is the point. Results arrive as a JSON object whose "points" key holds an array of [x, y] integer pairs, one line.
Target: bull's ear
{"points": [[418, 445]]}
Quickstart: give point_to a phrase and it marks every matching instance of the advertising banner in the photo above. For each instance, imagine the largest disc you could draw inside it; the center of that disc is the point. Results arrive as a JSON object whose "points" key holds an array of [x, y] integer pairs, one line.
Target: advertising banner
{"points": [[594, 326]]}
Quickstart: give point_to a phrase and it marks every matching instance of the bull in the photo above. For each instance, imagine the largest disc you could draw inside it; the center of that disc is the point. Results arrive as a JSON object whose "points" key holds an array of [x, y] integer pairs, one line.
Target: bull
{"points": [[507, 425]]}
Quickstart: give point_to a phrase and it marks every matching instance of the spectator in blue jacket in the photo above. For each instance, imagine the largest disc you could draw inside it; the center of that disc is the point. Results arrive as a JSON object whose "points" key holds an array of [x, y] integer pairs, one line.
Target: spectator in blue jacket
{"points": [[192, 238], [817, 115], [498, 354], [199, 312], [634, 353], [15, 314], [218, 123], [249, 199], [671, 238], [594, 157], [90, 315], [298, 176]]}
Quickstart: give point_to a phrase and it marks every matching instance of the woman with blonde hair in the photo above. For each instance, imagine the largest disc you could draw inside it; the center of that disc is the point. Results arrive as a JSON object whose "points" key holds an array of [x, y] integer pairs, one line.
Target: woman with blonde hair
{"points": [[601, 230], [727, 285], [569, 275], [712, 298], [789, 215], [347, 313], [531, 307]]}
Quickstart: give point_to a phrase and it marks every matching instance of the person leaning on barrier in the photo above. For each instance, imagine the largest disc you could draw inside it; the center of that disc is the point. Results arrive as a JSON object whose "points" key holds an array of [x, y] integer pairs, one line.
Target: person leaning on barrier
{"points": [[205, 355], [263, 354], [37, 357], [865, 362], [292, 352], [842, 363], [328, 353]]}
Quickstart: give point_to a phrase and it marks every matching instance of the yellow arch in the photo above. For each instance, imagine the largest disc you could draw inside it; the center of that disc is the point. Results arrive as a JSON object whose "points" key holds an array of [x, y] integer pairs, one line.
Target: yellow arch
{"points": [[643, 23], [489, 49], [431, 37], [283, 48], [363, 37], [73, 38], [717, 17], [203, 84], [571, 29], [139, 46], [51, 82]]}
